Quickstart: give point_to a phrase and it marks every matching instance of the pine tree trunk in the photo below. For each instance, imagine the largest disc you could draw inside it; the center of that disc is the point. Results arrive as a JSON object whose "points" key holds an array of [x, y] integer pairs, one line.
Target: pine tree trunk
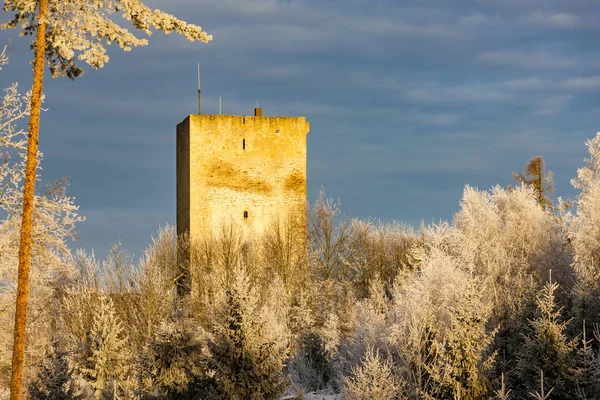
{"points": [[27, 218]]}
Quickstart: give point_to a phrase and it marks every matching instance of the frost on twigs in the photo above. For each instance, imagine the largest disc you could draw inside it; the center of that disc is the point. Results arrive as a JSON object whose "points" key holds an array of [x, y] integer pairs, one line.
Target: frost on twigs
{"points": [[372, 379], [80, 29], [55, 216]]}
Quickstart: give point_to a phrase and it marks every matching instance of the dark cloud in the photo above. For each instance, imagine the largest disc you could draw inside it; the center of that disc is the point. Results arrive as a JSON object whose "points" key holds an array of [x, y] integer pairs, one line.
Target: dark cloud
{"points": [[408, 102]]}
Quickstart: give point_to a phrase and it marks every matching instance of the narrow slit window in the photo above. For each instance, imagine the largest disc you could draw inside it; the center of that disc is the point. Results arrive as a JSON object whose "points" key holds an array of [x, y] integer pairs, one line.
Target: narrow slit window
{"points": [[245, 214], [243, 144]]}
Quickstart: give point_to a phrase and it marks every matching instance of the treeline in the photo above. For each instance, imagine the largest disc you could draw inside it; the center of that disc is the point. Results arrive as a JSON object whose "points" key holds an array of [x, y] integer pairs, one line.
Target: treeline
{"points": [[504, 302]]}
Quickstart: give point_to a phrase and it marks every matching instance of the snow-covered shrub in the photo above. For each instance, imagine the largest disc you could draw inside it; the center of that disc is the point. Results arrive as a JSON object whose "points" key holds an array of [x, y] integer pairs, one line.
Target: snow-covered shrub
{"points": [[212, 262], [78, 307]]}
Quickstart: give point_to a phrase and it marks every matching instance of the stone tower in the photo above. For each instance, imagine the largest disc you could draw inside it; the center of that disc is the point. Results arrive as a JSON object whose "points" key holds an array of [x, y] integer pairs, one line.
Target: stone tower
{"points": [[245, 170]]}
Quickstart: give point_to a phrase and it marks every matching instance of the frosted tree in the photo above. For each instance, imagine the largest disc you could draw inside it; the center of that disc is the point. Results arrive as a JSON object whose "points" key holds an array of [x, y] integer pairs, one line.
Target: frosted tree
{"points": [[106, 356], [250, 345], [175, 363], [370, 330], [536, 177], [327, 235], [378, 249], [66, 31], [55, 216], [310, 368], [464, 357], [511, 242], [55, 378], [117, 270], [546, 348], [588, 366], [284, 252], [372, 379], [420, 315], [154, 282], [586, 238]]}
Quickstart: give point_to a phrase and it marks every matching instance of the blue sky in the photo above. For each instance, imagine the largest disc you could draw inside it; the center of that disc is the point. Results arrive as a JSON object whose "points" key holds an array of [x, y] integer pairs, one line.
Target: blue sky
{"points": [[408, 101]]}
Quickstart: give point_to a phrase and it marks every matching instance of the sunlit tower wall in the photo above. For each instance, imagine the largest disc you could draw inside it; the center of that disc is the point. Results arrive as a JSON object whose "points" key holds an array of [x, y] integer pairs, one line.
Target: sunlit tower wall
{"points": [[245, 171]]}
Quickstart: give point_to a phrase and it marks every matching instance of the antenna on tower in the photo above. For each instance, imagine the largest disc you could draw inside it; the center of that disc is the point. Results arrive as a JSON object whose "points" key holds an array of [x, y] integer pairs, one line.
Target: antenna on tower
{"points": [[199, 89], [219, 105]]}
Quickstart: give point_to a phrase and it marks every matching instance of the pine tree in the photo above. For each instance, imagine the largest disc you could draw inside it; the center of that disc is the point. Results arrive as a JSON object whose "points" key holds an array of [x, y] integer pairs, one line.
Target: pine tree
{"points": [[55, 378], [311, 368], [248, 350], [546, 348], [588, 367], [175, 363], [106, 356]]}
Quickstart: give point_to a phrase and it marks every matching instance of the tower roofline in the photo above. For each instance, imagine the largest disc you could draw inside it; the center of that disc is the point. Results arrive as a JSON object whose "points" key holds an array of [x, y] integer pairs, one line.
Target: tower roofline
{"points": [[224, 117]]}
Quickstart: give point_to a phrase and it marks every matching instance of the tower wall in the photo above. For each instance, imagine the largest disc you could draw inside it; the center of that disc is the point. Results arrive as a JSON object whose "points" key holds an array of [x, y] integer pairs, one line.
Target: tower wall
{"points": [[228, 165]]}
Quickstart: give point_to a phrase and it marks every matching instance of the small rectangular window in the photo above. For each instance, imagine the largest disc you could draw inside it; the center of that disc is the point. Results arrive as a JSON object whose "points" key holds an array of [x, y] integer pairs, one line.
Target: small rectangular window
{"points": [[245, 214], [243, 144]]}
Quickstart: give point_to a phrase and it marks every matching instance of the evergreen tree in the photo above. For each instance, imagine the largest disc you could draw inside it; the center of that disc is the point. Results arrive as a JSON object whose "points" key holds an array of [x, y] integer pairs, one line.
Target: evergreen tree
{"points": [[588, 367], [546, 348], [55, 378], [247, 353], [311, 368], [106, 349], [175, 363]]}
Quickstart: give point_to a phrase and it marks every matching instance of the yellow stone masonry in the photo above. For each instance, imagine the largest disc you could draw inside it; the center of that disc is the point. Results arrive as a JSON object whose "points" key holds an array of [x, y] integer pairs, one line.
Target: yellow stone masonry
{"points": [[249, 171]]}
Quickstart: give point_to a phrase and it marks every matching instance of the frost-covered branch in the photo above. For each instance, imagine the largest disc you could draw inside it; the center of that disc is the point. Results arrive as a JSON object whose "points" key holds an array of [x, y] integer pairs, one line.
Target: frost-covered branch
{"points": [[80, 29]]}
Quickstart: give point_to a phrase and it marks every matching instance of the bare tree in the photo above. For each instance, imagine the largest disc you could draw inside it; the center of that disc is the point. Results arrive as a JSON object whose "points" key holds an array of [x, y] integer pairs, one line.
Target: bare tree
{"points": [[328, 233]]}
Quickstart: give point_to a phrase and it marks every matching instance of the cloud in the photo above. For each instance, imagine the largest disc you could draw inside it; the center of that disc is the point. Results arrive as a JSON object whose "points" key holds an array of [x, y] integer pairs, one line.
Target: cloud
{"points": [[557, 19], [478, 20], [474, 20], [537, 83], [552, 105], [526, 83], [582, 83], [525, 59], [457, 94]]}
